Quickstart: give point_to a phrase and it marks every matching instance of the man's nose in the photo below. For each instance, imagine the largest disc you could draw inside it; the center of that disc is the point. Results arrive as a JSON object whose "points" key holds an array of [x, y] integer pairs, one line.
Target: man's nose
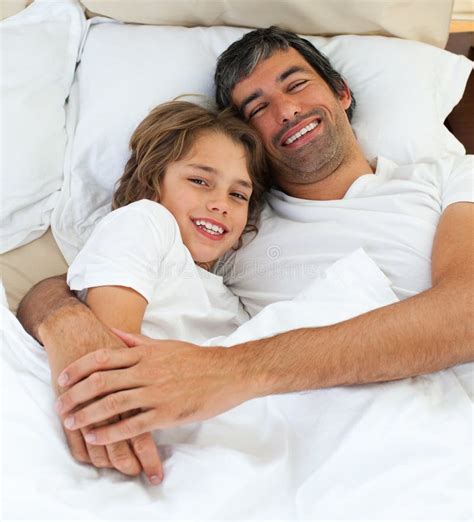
{"points": [[287, 108]]}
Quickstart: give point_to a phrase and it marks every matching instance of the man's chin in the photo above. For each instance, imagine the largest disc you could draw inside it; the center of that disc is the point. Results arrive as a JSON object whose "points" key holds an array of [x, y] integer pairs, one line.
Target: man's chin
{"points": [[302, 167], [300, 172]]}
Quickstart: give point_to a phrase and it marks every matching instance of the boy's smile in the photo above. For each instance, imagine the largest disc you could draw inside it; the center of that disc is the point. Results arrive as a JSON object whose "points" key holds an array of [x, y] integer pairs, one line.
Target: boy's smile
{"points": [[208, 193]]}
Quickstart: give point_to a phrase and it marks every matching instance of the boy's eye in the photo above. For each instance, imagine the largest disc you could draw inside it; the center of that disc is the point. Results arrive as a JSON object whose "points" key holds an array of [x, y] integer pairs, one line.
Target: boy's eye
{"points": [[197, 181], [239, 196]]}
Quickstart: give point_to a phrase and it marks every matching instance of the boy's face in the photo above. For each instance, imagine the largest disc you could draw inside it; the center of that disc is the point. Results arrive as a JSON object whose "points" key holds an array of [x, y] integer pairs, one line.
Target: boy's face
{"points": [[208, 193], [301, 121]]}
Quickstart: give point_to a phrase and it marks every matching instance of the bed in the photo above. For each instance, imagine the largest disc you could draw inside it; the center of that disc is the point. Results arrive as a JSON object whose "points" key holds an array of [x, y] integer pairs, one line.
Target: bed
{"points": [[78, 78]]}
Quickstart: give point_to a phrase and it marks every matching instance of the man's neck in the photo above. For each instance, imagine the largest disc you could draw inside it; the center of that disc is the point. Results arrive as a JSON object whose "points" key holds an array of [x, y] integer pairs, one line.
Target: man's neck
{"points": [[336, 183]]}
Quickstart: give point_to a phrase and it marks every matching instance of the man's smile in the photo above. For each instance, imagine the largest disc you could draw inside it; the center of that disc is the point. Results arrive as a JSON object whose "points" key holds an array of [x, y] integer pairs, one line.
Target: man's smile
{"points": [[301, 133]]}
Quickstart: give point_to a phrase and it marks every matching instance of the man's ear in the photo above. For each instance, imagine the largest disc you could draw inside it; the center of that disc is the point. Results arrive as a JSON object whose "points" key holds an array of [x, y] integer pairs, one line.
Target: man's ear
{"points": [[345, 96]]}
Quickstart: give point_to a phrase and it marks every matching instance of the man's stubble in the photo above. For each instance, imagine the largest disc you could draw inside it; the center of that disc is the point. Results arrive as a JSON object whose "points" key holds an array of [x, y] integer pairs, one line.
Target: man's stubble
{"points": [[318, 159]]}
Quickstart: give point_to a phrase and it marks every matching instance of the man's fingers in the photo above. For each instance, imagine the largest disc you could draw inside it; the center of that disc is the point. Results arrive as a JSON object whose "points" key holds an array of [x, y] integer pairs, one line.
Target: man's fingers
{"points": [[106, 359], [122, 430], [93, 387], [118, 455], [123, 458], [132, 340], [145, 449], [99, 459], [77, 446], [103, 409]]}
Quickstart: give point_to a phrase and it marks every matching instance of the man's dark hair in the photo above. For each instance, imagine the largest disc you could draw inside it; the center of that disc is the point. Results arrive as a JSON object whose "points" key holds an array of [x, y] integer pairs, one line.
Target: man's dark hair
{"points": [[241, 58]]}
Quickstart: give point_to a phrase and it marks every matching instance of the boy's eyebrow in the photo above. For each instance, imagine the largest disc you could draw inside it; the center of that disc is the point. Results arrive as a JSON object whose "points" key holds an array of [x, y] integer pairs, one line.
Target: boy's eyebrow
{"points": [[206, 168], [244, 183], [212, 170], [280, 78]]}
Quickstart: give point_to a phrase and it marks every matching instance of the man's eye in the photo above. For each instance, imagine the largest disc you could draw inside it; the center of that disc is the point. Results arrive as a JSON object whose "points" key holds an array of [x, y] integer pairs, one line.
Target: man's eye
{"points": [[297, 84], [197, 181], [253, 112]]}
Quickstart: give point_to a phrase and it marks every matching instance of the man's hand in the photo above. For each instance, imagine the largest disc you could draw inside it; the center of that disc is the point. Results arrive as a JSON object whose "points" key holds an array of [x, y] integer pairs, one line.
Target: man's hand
{"points": [[67, 334], [142, 455], [171, 382]]}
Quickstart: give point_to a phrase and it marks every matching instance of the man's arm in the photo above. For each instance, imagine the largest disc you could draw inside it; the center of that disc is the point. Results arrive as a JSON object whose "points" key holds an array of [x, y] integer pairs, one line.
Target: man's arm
{"points": [[68, 329], [425, 333], [42, 301]]}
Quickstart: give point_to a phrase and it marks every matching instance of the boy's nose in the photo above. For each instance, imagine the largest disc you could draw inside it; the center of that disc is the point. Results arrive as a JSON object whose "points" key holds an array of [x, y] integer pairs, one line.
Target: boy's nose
{"points": [[218, 205]]}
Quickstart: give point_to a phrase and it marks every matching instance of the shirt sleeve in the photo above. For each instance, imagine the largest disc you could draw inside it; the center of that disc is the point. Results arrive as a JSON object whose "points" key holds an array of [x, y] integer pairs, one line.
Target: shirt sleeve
{"points": [[458, 183], [127, 248]]}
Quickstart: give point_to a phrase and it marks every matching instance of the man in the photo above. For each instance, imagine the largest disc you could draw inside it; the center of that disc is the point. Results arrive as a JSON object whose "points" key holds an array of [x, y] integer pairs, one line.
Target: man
{"points": [[416, 222]]}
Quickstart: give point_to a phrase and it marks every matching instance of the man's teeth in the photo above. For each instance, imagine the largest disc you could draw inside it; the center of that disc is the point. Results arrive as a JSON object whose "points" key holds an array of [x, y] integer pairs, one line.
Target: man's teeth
{"points": [[301, 132], [212, 229]]}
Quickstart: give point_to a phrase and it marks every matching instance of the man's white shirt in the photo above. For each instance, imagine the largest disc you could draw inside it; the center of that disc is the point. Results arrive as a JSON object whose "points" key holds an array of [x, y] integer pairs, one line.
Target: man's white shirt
{"points": [[392, 214]]}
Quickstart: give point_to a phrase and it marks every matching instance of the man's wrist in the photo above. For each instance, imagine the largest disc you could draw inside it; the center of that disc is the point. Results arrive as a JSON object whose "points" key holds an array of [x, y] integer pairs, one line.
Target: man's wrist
{"points": [[249, 373], [57, 321]]}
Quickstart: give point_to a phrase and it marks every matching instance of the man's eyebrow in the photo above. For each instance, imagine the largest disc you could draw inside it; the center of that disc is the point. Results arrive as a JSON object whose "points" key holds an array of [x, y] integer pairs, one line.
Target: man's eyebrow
{"points": [[212, 170], [256, 94], [291, 70], [280, 78]]}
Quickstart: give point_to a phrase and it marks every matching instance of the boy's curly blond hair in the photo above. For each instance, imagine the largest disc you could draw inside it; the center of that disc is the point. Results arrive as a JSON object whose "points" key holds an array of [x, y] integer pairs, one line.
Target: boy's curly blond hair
{"points": [[168, 133]]}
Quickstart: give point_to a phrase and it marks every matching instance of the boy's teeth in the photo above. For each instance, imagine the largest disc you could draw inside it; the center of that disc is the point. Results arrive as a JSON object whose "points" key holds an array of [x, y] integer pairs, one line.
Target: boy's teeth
{"points": [[301, 132], [213, 229]]}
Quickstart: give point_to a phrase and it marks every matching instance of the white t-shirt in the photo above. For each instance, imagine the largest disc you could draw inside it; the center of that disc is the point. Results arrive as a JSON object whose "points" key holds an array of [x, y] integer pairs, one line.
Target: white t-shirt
{"points": [[139, 246], [392, 215]]}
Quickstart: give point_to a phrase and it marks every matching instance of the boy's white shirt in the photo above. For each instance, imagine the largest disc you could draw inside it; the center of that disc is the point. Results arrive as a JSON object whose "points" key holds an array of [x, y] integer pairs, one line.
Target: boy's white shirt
{"points": [[139, 246]]}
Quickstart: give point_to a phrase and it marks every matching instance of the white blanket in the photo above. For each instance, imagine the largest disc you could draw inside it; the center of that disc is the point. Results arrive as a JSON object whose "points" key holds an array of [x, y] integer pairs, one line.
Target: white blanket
{"points": [[399, 450]]}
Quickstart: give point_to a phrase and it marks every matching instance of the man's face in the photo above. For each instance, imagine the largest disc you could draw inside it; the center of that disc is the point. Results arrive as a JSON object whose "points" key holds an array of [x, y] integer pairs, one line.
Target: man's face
{"points": [[301, 121]]}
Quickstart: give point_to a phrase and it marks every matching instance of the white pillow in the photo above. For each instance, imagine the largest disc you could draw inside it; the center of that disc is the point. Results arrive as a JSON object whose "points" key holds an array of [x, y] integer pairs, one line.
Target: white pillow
{"points": [[39, 47], [404, 91]]}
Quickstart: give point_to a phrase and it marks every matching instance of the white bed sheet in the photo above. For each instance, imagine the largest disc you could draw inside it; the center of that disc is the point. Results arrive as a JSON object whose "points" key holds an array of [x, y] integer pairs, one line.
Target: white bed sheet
{"points": [[400, 450]]}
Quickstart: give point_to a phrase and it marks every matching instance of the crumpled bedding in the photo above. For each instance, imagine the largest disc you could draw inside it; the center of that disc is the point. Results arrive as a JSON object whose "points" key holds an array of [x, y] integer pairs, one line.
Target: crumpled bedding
{"points": [[398, 450]]}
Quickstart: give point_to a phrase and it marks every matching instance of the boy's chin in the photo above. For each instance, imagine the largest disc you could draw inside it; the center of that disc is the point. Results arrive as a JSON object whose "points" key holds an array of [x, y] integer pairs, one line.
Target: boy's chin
{"points": [[207, 265], [205, 258]]}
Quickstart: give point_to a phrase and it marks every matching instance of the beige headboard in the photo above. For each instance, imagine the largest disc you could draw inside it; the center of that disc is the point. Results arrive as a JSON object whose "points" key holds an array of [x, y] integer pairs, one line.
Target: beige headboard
{"points": [[424, 20]]}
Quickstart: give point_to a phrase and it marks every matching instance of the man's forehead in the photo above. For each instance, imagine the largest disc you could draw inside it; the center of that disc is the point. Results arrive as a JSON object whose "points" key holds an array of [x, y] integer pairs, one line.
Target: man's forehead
{"points": [[273, 69]]}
